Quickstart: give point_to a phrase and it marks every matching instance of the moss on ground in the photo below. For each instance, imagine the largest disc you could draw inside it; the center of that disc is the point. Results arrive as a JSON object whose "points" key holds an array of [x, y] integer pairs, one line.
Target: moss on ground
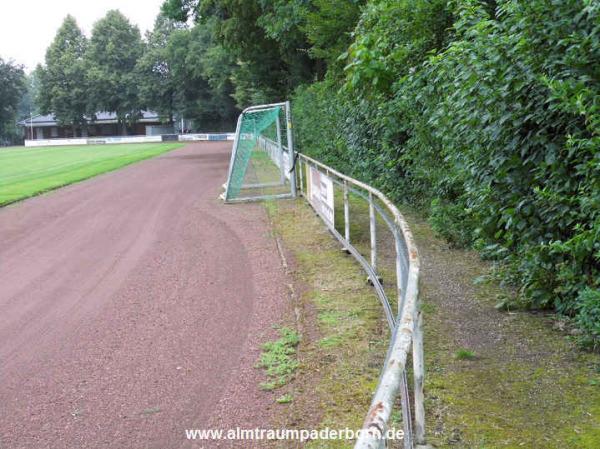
{"points": [[523, 385], [344, 336], [528, 385]]}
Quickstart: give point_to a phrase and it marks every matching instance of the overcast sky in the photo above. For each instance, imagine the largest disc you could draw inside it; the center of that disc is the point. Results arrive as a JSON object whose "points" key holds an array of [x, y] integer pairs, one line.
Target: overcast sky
{"points": [[27, 27]]}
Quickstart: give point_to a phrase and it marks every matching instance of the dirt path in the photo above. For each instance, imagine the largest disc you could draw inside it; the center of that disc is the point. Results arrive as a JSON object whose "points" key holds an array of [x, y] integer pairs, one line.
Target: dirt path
{"points": [[133, 306]]}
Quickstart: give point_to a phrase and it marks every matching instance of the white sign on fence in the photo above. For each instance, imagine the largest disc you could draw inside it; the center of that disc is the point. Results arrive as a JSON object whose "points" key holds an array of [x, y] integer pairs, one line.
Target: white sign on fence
{"points": [[320, 194]]}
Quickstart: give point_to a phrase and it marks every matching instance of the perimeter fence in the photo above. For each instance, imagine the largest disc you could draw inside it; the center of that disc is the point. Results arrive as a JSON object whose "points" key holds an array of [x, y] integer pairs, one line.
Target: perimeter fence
{"points": [[370, 228]]}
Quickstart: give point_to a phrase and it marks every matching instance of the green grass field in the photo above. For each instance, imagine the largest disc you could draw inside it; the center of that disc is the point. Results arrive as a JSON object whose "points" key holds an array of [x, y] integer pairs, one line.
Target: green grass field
{"points": [[26, 172]]}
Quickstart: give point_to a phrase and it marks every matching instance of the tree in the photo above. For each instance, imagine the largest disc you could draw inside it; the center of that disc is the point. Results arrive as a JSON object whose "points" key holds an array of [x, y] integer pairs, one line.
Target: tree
{"points": [[180, 10], [201, 74], [205, 73], [114, 49], [263, 37], [29, 104], [12, 87], [328, 26], [262, 75], [157, 83], [63, 91], [183, 72]]}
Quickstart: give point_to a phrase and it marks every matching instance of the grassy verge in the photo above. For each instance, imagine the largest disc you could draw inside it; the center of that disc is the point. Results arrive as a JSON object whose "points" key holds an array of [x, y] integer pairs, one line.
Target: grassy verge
{"points": [[344, 335], [25, 172], [494, 379]]}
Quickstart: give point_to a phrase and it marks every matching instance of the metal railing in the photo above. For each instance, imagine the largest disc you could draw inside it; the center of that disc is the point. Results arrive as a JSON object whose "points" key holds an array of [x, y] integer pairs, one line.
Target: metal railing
{"points": [[405, 324]]}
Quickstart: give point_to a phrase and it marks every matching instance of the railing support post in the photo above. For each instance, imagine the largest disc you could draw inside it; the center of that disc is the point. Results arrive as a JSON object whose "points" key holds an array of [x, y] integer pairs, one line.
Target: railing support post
{"points": [[399, 277], [406, 417], [419, 375], [373, 229], [301, 169], [407, 332], [346, 213]]}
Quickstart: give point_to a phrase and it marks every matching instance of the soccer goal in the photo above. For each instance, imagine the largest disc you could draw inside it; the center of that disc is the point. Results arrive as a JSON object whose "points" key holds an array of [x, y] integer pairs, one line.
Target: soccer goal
{"points": [[262, 166]]}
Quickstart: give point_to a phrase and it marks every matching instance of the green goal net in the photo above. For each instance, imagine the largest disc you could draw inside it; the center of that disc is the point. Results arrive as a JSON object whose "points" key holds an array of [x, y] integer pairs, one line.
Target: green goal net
{"points": [[261, 164]]}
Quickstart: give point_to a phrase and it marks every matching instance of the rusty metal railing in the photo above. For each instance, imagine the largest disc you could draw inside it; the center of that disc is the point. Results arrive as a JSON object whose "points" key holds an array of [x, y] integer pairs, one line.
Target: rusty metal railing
{"points": [[405, 324]]}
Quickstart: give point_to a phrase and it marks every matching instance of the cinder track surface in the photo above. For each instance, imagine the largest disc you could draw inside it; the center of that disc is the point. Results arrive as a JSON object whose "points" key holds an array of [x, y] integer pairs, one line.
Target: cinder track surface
{"points": [[133, 306]]}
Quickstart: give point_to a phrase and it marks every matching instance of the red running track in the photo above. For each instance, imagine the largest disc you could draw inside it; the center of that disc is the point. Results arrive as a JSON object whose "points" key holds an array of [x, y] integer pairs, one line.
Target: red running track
{"points": [[133, 306]]}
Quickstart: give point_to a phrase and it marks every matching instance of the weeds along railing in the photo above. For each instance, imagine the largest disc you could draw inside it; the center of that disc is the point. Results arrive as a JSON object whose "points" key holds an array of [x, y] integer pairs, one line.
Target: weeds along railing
{"points": [[406, 324]]}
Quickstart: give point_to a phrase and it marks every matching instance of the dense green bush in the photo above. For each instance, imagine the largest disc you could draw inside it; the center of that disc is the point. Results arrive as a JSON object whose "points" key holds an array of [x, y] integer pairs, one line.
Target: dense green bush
{"points": [[319, 120], [482, 113], [492, 125], [588, 317]]}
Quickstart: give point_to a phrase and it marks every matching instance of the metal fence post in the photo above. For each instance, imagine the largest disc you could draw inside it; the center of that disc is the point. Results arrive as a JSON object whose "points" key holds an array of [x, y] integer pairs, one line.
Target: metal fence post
{"points": [[301, 166], [346, 213], [407, 327], [291, 152], [419, 375], [406, 418], [373, 229], [399, 276]]}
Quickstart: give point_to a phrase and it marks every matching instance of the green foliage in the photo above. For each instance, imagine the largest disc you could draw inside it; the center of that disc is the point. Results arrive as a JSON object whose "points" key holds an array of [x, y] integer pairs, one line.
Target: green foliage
{"points": [[464, 354], [204, 73], [63, 84], [318, 120], [279, 358], [328, 26], [12, 87], [501, 105], [452, 221], [180, 10], [177, 71], [157, 85], [491, 124], [588, 318], [28, 104], [183, 72], [392, 38], [269, 60], [114, 50], [277, 45]]}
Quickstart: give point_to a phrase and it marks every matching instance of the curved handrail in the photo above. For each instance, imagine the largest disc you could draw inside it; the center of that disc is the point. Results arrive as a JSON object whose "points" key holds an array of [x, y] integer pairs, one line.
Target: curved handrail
{"points": [[406, 328]]}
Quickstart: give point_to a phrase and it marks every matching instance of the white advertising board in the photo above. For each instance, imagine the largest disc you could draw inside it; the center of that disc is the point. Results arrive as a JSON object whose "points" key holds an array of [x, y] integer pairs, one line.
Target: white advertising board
{"points": [[122, 139], [194, 137], [55, 142], [320, 194]]}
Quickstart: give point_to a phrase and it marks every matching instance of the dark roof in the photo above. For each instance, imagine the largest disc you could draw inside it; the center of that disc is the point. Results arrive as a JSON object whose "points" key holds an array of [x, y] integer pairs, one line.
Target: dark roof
{"points": [[101, 117]]}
